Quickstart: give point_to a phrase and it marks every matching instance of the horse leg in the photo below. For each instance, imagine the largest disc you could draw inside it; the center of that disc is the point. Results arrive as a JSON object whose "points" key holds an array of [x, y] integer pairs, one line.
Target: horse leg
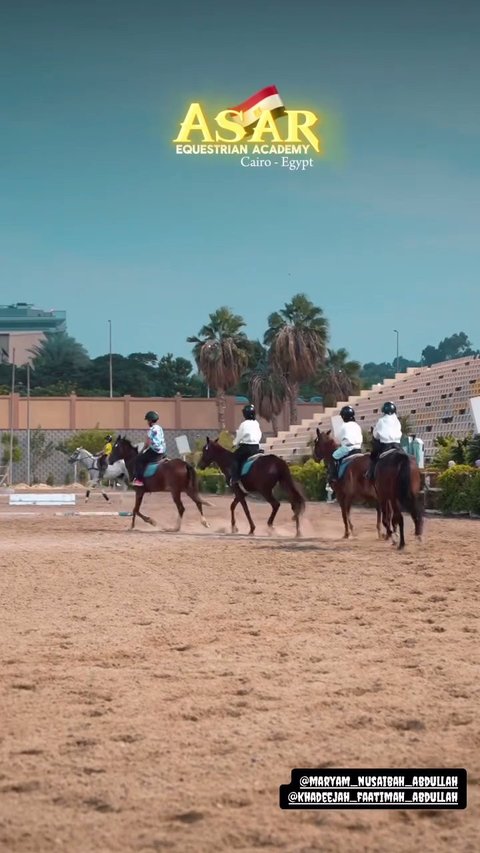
{"points": [[348, 508], [379, 521], [232, 512], [195, 497], [398, 518], [87, 495], [98, 484], [139, 493], [240, 498], [275, 507], [345, 518], [181, 509], [417, 518], [386, 517]]}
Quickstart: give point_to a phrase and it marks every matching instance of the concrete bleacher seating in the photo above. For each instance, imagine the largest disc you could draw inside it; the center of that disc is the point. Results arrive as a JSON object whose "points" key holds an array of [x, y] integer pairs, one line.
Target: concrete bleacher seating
{"points": [[435, 399]]}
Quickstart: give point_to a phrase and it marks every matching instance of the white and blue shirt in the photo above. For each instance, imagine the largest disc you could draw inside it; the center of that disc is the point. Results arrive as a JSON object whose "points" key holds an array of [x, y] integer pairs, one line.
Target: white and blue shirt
{"points": [[157, 439]]}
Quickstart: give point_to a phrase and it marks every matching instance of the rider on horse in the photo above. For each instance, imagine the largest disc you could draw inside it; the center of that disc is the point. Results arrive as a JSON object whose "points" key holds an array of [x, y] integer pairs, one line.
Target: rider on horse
{"points": [[387, 434], [351, 440], [105, 453], [247, 441], [154, 449]]}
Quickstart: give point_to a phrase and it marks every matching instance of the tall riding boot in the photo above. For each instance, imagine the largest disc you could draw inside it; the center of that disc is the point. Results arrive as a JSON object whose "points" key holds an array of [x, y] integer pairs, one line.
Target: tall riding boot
{"points": [[370, 475], [332, 472]]}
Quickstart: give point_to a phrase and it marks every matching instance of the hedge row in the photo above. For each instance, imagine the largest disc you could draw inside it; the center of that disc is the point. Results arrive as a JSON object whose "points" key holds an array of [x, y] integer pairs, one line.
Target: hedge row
{"points": [[211, 481], [460, 490], [312, 477]]}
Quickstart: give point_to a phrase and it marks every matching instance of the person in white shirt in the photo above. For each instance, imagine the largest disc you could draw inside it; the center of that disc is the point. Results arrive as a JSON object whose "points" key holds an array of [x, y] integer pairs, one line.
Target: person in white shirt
{"points": [[351, 440], [387, 433], [247, 441]]}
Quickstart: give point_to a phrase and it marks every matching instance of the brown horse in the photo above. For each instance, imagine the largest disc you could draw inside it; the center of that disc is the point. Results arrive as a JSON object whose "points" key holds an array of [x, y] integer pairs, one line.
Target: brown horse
{"points": [[266, 472], [172, 475], [398, 485], [353, 486]]}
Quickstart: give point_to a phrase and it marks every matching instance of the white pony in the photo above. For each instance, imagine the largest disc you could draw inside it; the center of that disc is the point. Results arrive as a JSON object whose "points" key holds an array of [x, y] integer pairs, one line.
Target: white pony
{"points": [[117, 472]]}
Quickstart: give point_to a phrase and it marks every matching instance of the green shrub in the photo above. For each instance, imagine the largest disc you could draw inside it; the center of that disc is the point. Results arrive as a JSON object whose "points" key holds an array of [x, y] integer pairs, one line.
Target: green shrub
{"points": [[456, 488], [312, 476], [449, 447], [224, 439], [16, 449], [90, 439], [212, 481], [50, 480], [473, 450], [475, 493]]}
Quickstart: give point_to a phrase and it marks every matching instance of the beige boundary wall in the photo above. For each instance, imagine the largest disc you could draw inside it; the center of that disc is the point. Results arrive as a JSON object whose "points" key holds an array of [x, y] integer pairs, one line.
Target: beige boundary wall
{"points": [[128, 413]]}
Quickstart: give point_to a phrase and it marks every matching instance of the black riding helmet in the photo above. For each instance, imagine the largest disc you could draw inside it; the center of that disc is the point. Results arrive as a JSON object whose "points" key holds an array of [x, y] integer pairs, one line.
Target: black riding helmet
{"points": [[249, 412], [108, 438], [347, 414], [151, 417], [389, 408]]}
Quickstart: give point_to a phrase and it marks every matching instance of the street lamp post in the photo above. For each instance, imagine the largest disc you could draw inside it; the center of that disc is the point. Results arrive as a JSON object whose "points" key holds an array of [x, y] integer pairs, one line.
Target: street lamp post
{"points": [[396, 332], [28, 428], [110, 356], [10, 461]]}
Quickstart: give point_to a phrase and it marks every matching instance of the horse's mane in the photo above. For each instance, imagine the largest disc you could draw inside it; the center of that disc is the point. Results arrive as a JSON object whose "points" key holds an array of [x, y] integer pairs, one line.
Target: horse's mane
{"points": [[125, 440], [220, 446]]}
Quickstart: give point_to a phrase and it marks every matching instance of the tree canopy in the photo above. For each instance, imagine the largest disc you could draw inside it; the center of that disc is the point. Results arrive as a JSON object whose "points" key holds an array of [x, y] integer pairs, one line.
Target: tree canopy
{"points": [[294, 361]]}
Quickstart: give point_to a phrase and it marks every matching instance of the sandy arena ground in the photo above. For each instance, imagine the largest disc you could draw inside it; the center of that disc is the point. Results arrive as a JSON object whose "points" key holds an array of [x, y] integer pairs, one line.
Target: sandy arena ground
{"points": [[156, 689]]}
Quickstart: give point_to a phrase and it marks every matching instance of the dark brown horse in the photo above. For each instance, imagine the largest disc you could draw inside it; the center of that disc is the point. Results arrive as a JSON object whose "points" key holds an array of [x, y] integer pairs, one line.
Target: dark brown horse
{"points": [[266, 472], [398, 485], [172, 475], [353, 486]]}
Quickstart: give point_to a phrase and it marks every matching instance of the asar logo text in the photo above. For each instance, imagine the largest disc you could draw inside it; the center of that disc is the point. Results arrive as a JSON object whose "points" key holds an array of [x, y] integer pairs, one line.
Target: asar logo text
{"points": [[300, 124]]}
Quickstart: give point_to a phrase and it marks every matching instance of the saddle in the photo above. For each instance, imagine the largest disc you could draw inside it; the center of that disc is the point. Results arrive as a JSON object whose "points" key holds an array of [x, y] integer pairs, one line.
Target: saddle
{"points": [[249, 462], [392, 448], [345, 462], [152, 467]]}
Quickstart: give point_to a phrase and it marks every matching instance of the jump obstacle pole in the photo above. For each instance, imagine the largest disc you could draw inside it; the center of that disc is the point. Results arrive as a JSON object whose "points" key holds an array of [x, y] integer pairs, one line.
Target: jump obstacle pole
{"points": [[60, 514], [54, 499], [70, 514]]}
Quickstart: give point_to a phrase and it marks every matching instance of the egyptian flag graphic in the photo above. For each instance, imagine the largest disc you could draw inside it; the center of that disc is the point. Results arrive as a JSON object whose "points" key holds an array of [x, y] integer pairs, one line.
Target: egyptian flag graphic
{"points": [[252, 109]]}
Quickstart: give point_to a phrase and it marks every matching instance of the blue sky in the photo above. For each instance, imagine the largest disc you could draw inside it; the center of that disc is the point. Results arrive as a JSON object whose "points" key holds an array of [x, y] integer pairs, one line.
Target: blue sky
{"points": [[101, 218]]}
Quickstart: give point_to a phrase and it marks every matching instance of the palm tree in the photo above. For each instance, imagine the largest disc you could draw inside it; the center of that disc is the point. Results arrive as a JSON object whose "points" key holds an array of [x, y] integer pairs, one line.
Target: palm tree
{"points": [[221, 353], [339, 378], [268, 391], [297, 337], [58, 358]]}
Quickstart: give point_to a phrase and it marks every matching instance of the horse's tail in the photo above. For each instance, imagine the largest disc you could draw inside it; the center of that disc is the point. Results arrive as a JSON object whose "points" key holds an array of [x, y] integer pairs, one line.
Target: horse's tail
{"points": [[192, 482], [292, 489], [410, 501]]}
